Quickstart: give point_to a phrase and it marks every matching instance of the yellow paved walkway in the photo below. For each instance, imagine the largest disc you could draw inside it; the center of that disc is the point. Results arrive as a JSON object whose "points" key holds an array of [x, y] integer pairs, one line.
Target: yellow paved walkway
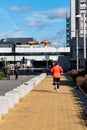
{"points": [[45, 109]]}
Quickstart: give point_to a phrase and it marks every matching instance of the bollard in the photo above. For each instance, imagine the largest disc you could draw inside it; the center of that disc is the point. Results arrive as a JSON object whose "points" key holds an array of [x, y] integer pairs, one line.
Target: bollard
{"points": [[14, 95], [4, 105], [10, 99]]}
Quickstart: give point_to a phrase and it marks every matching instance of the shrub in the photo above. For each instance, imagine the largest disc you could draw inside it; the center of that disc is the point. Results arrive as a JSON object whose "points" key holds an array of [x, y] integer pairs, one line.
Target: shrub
{"points": [[73, 74], [2, 75], [80, 80], [84, 85], [82, 72]]}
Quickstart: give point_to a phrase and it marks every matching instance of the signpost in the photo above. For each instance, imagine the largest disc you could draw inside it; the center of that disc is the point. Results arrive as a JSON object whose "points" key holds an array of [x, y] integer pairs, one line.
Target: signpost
{"points": [[47, 57], [13, 52]]}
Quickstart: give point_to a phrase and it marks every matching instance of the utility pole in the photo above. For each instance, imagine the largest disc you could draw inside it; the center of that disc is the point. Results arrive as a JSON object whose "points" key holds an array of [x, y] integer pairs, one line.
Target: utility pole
{"points": [[77, 56]]}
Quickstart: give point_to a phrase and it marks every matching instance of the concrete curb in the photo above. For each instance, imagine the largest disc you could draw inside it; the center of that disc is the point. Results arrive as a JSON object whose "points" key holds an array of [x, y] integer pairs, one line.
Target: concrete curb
{"points": [[13, 97]]}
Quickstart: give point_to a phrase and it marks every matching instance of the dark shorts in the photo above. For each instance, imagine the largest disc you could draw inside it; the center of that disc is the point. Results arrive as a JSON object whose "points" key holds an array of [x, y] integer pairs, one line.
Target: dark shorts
{"points": [[56, 81]]}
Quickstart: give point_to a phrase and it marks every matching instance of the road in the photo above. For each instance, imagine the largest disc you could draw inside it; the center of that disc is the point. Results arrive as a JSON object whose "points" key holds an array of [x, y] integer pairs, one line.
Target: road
{"points": [[7, 85]]}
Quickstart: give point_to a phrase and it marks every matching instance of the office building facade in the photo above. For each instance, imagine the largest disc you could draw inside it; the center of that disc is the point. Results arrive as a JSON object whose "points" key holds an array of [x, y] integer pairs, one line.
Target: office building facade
{"points": [[78, 32], [77, 11], [36, 53], [68, 26]]}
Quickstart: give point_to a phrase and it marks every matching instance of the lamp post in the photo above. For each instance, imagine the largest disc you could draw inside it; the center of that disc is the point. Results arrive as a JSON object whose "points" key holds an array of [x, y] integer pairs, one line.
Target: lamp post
{"points": [[84, 32], [84, 35], [77, 48], [77, 56]]}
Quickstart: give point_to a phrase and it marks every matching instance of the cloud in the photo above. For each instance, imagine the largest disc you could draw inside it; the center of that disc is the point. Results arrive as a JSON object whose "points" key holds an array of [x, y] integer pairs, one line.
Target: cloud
{"points": [[60, 35], [59, 13], [44, 19], [55, 14], [59, 38], [38, 20], [14, 33], [16, 8], [37, 24]]}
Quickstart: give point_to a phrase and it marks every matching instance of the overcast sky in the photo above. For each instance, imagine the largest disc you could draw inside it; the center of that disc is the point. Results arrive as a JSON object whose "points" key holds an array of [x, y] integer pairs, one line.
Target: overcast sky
{"points": [[40, 19]]}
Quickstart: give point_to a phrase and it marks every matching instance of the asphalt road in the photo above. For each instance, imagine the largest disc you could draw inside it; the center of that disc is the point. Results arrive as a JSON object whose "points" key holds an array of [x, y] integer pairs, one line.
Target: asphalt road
{"points": [[7, 85]]}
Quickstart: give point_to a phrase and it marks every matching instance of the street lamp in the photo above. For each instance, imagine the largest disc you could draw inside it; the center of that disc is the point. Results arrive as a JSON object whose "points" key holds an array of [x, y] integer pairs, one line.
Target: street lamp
{"points": [[84, 32], [84, 35], [77, 56]]}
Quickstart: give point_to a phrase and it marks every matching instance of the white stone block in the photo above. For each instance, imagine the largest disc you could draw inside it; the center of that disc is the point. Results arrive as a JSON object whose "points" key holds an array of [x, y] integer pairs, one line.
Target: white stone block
{"points": [[4, 105], [14, 95]]}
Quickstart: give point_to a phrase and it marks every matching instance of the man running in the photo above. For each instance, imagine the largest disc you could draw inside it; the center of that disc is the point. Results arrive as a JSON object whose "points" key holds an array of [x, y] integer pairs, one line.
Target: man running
{"points": [[56, 71]]}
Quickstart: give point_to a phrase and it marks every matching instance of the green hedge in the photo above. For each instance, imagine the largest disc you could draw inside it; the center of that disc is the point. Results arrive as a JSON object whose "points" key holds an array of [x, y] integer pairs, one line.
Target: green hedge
{"points": [[80, 78], [2, 75]]}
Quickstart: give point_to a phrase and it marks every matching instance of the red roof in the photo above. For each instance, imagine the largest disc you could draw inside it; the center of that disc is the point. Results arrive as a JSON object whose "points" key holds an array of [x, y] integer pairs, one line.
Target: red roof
{"points": [[45, 42], [31, 42]]}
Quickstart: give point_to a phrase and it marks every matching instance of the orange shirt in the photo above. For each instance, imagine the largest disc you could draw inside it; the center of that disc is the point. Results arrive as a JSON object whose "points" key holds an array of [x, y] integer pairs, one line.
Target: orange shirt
{"points": [[57, 70]]}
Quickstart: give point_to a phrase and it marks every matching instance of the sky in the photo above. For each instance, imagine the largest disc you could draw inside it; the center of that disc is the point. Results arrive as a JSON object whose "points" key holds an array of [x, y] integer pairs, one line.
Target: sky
{"points": [[39, 19]]}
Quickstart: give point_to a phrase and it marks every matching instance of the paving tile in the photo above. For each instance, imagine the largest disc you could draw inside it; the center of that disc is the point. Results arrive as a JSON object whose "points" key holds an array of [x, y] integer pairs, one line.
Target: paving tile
{"points": [[45, 109]]}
